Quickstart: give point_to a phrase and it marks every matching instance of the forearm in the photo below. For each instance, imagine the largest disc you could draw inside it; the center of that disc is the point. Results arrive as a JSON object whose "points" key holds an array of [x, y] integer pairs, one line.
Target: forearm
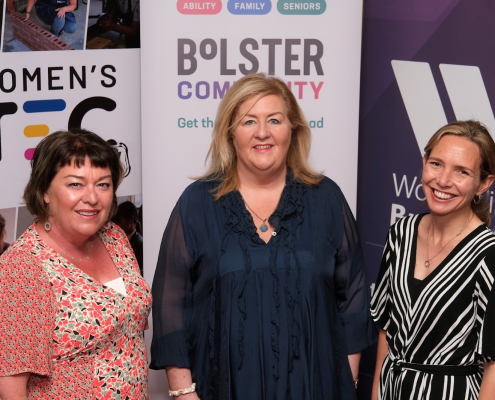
{"points": [[354, 360], [14, 387], [30, 6], [487, 390], [180, 378], [381, 353]]}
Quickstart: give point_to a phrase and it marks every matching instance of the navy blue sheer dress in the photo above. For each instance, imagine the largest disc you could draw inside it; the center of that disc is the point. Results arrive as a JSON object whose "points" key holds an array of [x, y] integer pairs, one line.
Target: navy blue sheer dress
{"points": [[256, 320]]}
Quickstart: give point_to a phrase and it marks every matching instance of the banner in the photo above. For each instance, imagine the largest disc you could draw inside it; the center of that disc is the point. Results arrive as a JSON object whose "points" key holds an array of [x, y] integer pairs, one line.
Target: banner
{"points": [[423, 66], [203, 48], [95, 90]]}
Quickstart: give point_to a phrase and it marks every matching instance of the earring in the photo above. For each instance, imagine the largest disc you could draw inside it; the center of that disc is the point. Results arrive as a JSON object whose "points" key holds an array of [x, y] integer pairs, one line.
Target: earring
{"points": [[47, 226], [474, 199]]}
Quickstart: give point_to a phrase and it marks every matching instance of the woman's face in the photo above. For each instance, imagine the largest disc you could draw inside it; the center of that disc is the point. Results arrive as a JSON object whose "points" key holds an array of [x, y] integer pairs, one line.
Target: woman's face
{"points": [[79, 200], [451, 175], [262, 137]]}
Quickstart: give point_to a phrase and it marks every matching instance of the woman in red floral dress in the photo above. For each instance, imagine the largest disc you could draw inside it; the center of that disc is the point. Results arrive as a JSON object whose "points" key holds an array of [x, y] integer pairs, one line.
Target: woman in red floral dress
{"points": [[73, 305]]}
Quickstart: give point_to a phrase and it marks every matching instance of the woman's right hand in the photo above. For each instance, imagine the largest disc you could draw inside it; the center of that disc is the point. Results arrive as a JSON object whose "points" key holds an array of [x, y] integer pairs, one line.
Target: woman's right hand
{"points": [[26, 17]]}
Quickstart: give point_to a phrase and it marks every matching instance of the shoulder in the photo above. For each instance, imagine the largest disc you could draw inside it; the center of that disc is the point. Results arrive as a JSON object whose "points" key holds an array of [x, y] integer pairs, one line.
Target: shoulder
{"points": [[197, 192], [407, 223], [327, 189], [112, 230]]}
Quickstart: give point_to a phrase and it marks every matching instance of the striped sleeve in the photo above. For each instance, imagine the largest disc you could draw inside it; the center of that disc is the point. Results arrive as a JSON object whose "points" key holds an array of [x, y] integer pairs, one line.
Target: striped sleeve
{"points": [[380, 301], [485, 295]]}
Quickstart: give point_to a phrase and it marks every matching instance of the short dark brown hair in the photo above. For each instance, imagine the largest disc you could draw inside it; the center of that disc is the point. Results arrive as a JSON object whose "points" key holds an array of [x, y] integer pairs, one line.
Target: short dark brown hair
{"points": [[61, 148]]}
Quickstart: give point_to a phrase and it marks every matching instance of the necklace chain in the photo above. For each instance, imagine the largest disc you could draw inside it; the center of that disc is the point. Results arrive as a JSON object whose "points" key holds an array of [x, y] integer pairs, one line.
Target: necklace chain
{"points": [[88, 253], [263, 227], [427, 262]]}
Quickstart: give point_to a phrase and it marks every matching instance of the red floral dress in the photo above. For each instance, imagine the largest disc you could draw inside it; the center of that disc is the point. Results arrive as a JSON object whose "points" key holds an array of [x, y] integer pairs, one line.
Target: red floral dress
{"points": [[77, 338]]}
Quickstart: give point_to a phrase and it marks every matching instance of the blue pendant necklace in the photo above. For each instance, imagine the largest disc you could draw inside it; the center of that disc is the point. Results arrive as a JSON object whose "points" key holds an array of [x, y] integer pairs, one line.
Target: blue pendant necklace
{"points": [[263, 227]]}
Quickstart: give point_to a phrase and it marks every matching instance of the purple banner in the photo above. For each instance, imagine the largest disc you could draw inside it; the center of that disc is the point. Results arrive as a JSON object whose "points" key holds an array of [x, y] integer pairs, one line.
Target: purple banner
{"points": [[424, 64]]}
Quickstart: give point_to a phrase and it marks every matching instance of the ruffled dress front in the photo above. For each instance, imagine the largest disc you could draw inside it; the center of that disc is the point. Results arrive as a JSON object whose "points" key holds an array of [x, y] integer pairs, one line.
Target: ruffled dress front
{"points": [[256, 320]]}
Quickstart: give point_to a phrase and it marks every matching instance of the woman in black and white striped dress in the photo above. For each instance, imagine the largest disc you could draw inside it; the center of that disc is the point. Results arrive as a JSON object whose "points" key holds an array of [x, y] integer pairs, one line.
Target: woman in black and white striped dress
{"points": [[433, 298]]}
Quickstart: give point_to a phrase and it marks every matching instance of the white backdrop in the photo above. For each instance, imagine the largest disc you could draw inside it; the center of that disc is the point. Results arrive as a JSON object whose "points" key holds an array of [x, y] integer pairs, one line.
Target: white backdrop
{"points": [[193, 50]]}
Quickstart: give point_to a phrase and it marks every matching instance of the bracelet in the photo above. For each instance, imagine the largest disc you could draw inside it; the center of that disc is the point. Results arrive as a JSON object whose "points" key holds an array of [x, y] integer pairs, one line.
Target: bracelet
{"points": [[356, 383], [190, 389]]}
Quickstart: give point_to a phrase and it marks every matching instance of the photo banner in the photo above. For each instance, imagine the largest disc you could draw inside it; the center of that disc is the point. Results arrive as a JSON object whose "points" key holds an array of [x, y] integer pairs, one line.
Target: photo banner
{"points": [[422, 67], [204, 47], [41, 93]]}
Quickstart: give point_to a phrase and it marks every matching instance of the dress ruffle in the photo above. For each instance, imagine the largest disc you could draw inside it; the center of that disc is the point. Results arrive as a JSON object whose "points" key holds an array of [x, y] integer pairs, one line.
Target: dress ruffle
{"points": [[285, 219]]}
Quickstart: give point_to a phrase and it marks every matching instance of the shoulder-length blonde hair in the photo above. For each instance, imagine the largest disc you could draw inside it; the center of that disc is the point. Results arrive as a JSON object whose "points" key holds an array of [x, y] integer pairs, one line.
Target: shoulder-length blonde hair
{"points": [[478, 134], [222, 156]]}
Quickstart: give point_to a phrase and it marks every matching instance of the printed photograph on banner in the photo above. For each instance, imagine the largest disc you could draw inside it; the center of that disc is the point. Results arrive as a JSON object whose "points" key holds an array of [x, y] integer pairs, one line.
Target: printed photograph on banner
{"points": [[44, 25], [7, 227], [2, 9], [114, 24]]}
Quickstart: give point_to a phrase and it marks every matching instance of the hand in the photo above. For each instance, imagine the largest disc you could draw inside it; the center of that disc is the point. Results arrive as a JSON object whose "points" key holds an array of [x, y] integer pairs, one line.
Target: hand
{"points": [[189, 396], [26, 17], [106, 23], [60, 12]]}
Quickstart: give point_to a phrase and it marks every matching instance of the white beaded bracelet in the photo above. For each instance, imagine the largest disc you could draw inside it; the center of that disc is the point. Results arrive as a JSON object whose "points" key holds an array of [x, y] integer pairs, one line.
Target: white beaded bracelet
{"points": [[190, 389]]}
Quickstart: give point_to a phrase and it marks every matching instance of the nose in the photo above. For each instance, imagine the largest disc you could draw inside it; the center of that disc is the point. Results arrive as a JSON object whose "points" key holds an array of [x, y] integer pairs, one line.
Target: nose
{"points": [[263, 130], [444, 177], [90, 196]]}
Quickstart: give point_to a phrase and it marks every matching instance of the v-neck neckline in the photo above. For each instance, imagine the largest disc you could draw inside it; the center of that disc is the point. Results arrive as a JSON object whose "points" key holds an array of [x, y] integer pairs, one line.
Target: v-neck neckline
{"points": [[416, 285], [74, 268]]}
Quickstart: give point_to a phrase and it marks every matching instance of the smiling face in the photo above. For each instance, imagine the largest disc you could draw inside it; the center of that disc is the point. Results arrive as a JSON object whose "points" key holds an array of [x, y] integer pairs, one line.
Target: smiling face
{"points": [[79, 200], [451, 176], [262, 137]]}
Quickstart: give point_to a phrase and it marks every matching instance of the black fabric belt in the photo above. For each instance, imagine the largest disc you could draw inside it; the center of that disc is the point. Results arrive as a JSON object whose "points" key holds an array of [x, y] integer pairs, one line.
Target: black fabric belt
{"points": [[457, 370]]}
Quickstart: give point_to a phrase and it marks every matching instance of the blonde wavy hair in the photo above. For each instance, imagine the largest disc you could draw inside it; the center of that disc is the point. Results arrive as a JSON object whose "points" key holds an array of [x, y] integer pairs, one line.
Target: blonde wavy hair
{"points": [[222, 158], [477, 133]]}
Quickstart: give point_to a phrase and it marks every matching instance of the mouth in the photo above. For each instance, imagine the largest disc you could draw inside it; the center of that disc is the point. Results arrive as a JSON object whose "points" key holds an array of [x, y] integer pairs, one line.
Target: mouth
{"points": [[87, 213], [263, 146], [442, 195]]}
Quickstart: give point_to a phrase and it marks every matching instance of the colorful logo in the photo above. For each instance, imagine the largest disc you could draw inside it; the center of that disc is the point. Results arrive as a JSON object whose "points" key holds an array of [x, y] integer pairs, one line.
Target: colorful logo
{"points": [[54, 105], [199, 7], [245, 7], [301, 7]]}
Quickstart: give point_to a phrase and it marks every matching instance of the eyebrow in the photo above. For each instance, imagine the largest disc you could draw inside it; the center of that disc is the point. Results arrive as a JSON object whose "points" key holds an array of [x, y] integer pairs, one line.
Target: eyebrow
{"points": [[269, 115], [457, 166], [82, 177]]}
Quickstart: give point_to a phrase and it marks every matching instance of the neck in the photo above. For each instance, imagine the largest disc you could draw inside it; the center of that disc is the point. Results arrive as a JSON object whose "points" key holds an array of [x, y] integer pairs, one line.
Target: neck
{"points": [[448, 223], [263, 181], [78, 242]]}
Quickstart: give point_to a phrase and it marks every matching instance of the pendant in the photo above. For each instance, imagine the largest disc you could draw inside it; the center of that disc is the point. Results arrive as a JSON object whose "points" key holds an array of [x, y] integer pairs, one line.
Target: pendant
{"points": [[263, 228], [427, 264]]}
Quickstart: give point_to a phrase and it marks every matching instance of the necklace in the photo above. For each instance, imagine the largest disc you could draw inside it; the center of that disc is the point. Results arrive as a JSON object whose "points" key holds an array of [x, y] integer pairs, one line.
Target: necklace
{"points": [[88, 253], [263, 227], [427, 262]]}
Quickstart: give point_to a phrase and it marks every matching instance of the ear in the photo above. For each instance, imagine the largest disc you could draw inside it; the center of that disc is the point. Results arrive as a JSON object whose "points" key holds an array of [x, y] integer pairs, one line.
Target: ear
{"points": [[485, 184], [424, 160], [46, 198]]}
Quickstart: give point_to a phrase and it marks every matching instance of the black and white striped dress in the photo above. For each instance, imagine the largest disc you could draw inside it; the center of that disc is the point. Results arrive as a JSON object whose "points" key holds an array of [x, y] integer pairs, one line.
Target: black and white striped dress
{"points": [[446, 319]]}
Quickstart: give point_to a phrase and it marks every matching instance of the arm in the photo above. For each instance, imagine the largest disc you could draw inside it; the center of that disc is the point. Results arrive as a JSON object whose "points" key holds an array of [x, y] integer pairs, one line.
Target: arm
{"points": [[487, 390], [180, 378], [29, 8], [14, 387], [71, 7], [354, 360], [381, 353], [130, 30]]}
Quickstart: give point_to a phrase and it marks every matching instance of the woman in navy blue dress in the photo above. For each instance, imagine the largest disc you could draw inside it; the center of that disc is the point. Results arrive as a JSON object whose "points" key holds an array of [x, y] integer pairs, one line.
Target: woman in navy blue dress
{"points": [[260, 290]]}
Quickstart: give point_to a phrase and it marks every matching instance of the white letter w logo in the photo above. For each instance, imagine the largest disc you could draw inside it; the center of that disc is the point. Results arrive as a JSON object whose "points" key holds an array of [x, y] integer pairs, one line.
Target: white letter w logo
{"points": [[465, 88]]}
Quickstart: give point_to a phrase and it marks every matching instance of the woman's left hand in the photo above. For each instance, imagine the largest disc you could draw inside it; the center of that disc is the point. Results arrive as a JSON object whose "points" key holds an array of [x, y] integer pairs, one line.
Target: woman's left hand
{"points": [[61, 12]]}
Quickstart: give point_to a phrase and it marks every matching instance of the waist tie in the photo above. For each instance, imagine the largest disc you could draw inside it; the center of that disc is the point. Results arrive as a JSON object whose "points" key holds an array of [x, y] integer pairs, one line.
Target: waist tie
{"points": [[456, 370]]}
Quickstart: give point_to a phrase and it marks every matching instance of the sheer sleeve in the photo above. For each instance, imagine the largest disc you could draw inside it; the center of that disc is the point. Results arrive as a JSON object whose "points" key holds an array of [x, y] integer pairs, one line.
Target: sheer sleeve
{"points": [[171, 286], [27, 316], [352, 289], [380, 302]]}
